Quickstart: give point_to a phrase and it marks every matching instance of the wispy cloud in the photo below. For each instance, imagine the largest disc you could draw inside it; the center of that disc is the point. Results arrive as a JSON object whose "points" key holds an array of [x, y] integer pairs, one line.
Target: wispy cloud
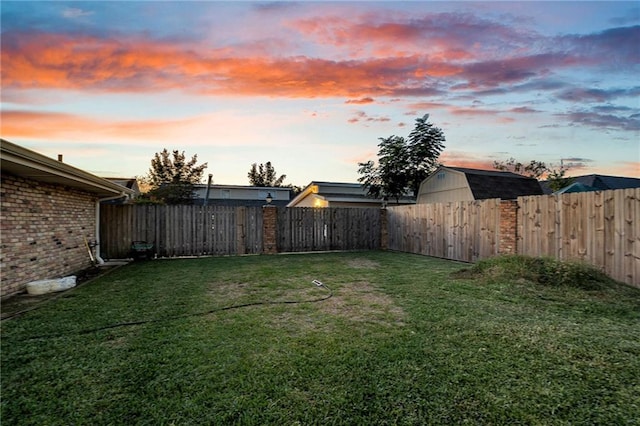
{"points": [[597, 95], [603, 121], [74, 13], [361, 101], [361, 116]]}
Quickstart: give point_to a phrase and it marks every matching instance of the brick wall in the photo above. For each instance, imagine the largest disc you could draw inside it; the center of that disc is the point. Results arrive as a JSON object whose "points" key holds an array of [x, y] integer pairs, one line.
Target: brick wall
{"points": [[269, 229], [42, 231], [508, 227]]}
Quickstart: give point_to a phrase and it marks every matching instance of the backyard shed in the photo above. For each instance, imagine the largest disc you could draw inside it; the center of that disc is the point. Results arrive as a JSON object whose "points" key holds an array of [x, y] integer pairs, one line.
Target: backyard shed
{"points": [[447, 184], [49, 217]]}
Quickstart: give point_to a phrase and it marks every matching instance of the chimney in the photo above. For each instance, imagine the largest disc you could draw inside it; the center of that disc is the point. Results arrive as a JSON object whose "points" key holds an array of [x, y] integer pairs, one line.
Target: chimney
{"points": [[60, 158]]}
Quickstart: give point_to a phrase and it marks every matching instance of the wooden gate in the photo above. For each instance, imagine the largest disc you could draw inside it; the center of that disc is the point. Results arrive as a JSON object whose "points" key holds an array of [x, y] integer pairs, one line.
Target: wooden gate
{"points": [[333, 228]]}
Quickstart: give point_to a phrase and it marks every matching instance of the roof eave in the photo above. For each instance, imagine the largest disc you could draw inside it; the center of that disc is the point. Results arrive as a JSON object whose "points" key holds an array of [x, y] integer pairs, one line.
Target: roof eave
{"points": [[29, 164]]}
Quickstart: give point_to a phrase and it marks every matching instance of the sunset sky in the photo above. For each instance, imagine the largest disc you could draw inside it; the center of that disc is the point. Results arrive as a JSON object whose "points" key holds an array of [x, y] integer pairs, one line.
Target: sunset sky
{"points": [[311, 86]]}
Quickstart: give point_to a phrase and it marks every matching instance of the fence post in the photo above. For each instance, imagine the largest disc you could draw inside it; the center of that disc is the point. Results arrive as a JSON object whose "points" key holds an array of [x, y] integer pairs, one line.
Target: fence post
{"points": [[384, 230], [508, 227], [241, 242], [269, 229]]}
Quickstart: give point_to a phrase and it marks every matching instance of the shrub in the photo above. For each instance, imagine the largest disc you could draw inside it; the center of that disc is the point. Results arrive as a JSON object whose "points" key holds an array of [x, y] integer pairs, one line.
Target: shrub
{"points": [[542, 270]]}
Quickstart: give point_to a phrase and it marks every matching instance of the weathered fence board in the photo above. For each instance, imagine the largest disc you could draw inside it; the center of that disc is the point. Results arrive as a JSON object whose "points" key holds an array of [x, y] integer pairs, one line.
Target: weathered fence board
{"points": [[317, 229], [465, 230], [181, 230], [602, 228]]}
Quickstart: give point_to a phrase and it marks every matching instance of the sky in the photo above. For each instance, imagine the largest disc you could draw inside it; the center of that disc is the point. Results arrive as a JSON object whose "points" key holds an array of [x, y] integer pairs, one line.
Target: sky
{"points": [[312, 86]]}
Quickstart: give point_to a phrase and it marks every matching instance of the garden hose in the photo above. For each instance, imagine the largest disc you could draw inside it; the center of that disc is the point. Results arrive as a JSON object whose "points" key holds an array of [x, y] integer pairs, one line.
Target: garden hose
{"points": [[171, 318]]}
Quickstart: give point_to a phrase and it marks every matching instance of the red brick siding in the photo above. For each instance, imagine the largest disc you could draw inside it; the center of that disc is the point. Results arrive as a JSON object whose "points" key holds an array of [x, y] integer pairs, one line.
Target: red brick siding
{"points": [[508, 227], [269, 229], [42, 231]]}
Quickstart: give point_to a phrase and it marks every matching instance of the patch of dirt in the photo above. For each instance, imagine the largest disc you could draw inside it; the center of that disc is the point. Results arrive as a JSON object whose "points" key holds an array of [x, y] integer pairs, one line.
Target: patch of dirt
{"points": [[230, 291], [358, 302], [361, 302], [362, 263]]}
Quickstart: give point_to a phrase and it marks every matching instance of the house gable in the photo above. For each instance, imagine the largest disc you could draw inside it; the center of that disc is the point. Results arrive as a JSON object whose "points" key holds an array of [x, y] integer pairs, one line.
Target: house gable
{"points": [[444, 185], [337, 194]]}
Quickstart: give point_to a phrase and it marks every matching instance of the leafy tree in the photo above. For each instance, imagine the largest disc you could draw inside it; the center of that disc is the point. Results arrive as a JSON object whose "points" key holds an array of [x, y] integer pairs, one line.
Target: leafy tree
{"points": [[403, 163], [534, 169], [556, 177], [265, 175], [171, 177]]}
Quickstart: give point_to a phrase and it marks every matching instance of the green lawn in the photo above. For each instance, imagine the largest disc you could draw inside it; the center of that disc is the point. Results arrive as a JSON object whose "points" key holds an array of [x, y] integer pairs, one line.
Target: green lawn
{"points": [[401, 341]]}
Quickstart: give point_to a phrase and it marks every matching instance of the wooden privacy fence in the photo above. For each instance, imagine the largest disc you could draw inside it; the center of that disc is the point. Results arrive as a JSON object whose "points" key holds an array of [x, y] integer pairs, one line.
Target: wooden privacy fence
{"points": [[463, 230], [317, 229], [181, 230], [214, 230], [602, 228]]}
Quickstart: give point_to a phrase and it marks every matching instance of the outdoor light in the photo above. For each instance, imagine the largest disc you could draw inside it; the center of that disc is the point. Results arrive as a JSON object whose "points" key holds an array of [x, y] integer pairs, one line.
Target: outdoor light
{"points": [[269, 198]]}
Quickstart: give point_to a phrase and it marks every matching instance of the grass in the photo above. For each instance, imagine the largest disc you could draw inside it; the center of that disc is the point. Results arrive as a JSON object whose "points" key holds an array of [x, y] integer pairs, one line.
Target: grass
{"points": [[404, 339]]}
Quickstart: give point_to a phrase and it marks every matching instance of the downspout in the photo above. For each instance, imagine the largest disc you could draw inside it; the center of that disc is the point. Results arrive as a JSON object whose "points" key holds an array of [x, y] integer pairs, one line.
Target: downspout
{"points": [[99, 260]]}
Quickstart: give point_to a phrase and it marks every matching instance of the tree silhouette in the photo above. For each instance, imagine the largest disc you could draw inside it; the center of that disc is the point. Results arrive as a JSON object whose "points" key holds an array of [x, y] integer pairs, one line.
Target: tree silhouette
{"points": [[265, 175], [403, 163], [172, 177]]}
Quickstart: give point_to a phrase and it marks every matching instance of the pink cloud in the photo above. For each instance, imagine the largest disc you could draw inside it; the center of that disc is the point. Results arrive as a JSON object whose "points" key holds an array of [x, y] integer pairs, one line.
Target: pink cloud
{"points": [[57, 61], [24, 124], [361, 101]]}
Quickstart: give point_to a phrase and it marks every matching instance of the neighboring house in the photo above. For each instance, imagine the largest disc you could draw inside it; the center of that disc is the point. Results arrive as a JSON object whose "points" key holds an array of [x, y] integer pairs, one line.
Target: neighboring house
{"points": [[338, 194], [576, 187], [596, 183], [448, 184], [241, 196], [49, 217], [129, 183]]}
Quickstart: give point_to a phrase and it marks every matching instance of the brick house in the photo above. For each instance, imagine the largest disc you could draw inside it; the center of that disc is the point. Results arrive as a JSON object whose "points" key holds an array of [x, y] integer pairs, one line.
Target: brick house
{"points": [[49, 213]]}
